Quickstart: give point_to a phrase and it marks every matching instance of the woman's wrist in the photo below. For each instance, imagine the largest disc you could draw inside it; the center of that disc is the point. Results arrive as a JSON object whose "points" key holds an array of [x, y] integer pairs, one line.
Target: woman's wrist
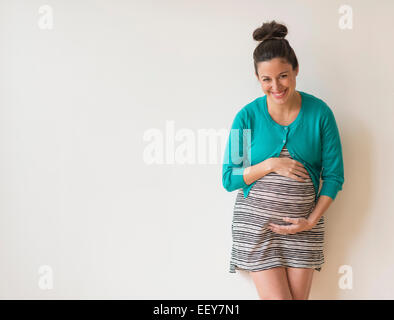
{"points": [[311, 222], [257, 171], [267, 165]]}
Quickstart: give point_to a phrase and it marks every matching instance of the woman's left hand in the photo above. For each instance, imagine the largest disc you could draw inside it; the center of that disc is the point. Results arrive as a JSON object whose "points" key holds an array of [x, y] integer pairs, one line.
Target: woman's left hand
{"points": [[298, 225]]}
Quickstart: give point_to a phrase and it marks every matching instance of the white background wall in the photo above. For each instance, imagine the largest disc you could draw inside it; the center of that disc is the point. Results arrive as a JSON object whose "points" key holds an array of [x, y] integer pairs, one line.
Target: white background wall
{"points": [[76, 192]]}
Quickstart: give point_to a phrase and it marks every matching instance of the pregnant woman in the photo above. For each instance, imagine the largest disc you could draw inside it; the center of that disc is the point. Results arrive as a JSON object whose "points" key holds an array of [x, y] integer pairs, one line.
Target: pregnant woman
{"points": [[279, 146]]}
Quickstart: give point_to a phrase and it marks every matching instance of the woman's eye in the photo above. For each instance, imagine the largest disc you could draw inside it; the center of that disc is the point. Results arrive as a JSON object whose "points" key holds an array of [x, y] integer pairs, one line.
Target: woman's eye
{"points": [[283, 76]]}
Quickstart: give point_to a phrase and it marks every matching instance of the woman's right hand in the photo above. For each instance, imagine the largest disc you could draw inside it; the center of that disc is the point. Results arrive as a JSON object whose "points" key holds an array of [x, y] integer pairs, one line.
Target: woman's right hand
{"points": [[288, 167]]}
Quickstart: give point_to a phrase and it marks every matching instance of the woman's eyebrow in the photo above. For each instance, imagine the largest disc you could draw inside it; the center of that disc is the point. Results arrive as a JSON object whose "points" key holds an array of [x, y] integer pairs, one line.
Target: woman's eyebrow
{"points": [[278, 74]]}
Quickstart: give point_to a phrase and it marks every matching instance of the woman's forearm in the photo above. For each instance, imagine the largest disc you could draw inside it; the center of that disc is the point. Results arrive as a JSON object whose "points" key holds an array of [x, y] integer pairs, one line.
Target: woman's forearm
{"points": [[321, 206], [257, 171]]}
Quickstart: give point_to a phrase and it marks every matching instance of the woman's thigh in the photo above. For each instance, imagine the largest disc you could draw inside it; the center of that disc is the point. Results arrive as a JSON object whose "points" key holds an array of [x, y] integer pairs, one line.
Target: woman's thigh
{"points": [[272, 284], [300, 282]]}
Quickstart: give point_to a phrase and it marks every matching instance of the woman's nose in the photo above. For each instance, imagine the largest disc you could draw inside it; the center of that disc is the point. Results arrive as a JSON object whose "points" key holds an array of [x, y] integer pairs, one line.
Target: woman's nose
{"points": [[275, 85]]}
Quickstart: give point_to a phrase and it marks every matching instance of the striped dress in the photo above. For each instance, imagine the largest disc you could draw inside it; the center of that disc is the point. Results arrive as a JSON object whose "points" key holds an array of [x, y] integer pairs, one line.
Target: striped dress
{"points": [[255, 247]]}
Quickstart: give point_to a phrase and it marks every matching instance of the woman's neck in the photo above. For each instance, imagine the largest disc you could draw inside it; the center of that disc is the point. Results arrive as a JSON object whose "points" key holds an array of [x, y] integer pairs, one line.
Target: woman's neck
{"points": [[285, 110]]}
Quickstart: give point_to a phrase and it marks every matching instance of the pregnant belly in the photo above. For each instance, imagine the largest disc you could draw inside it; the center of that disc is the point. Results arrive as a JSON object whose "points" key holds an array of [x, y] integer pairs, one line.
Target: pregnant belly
{"points": [[274, 196]]}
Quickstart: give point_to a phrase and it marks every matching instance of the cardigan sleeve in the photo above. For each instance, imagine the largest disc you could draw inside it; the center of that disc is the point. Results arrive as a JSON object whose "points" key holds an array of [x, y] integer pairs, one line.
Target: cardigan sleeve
{"points": [[332, 160], [236, 154]]}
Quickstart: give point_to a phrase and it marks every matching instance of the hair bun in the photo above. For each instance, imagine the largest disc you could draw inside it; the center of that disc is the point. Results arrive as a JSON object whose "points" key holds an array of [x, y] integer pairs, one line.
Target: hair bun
{"points": [[269, 30]]}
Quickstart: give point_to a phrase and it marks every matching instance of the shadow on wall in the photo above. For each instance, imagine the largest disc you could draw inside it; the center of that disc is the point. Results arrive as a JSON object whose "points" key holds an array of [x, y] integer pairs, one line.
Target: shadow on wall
{"points": [[346, 217]]}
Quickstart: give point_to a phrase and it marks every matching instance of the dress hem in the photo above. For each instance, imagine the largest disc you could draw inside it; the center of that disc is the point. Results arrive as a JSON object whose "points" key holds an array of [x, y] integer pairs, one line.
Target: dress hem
{"points": [[234, 268]]}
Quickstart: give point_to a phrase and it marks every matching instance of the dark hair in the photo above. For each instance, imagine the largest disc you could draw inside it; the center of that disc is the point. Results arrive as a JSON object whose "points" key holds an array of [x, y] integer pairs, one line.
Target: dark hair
{"points": [[273, 48]]}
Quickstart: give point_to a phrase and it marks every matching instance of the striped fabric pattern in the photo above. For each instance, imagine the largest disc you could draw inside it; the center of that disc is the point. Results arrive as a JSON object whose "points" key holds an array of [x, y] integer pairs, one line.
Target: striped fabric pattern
{"points": [[255, 247]]}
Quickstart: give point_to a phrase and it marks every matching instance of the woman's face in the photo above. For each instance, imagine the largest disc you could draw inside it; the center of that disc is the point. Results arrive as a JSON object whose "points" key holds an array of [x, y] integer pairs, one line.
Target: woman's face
{"points": [[277, 79]]}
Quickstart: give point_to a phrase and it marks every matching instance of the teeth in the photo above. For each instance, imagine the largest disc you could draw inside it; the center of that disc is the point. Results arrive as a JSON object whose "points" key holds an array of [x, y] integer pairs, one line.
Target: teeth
{"points": [[279, 94]]}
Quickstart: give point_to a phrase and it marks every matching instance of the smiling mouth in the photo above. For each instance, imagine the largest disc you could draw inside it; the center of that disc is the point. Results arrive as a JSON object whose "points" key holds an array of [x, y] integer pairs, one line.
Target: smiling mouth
{"points": [[279, 94]]}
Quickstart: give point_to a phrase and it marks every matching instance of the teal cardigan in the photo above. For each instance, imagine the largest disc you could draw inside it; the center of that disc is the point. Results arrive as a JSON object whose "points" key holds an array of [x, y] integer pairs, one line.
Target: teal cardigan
{"points": [[312, 139]]}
